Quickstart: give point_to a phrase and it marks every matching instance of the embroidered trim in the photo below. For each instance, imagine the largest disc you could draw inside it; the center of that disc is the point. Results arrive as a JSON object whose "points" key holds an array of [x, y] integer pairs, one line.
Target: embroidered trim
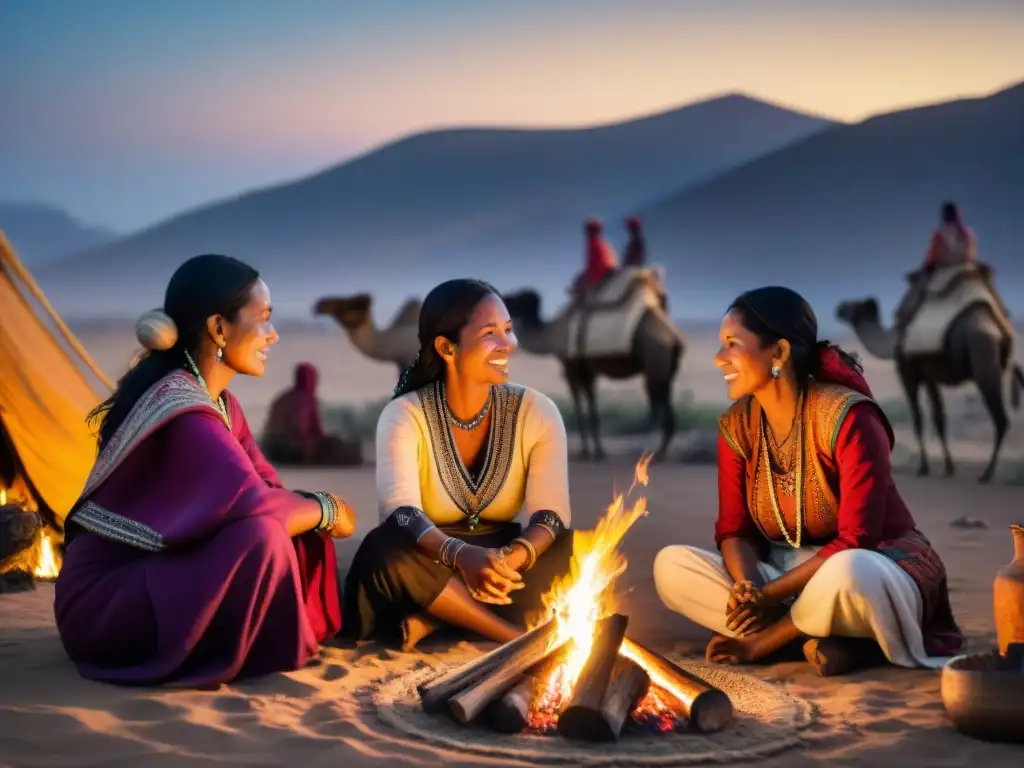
{"points": [[412, 521], [472, 495], [174, 394], [111, 525], [734, 425], [548, 519]]}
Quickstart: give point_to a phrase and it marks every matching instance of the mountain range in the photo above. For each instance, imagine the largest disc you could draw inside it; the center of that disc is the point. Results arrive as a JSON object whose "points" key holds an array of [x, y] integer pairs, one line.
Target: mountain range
{"points": [[849, 211], [734, 193], [43, 234], [502, 204]]}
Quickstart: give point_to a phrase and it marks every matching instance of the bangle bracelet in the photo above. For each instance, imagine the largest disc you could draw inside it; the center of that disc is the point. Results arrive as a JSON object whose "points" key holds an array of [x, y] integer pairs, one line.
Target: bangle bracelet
{"points": [[531, 553], [328, 510], [458, 547]]}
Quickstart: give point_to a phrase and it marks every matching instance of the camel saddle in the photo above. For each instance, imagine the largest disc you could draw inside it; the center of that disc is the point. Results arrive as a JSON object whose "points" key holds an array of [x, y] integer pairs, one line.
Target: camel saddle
{"points": [[603, 323], [936, 299]]}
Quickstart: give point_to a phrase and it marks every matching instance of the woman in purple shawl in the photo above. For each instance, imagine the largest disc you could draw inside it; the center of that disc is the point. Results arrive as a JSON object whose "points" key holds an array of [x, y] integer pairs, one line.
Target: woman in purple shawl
{"points": [[187, 562]]}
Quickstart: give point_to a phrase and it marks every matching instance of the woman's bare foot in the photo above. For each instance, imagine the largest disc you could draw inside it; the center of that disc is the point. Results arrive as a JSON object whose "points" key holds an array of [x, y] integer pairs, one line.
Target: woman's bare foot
{"points": [[840, 655], [415, 628]]}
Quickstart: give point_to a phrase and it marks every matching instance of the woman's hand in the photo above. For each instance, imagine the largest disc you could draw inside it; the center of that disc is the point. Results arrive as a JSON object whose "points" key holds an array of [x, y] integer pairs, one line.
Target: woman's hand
{"points": [[748, 609], [516, 556], [487, 575]]}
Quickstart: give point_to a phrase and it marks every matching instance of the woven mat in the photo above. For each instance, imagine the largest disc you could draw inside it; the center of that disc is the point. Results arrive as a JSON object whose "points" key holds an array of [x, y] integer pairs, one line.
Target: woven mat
{"points": [[768, 720]]}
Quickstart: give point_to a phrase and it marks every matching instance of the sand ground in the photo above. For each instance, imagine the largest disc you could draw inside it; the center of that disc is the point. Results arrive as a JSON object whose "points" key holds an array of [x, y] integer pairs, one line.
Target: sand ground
{"points": [[316, 716]]}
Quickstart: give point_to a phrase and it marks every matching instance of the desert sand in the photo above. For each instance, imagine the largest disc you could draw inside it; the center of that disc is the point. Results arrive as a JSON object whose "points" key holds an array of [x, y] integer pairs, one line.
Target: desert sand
{"points": [[321, 715]]}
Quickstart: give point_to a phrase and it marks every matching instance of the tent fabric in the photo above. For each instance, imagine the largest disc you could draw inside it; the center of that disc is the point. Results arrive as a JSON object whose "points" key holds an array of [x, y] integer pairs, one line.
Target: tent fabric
{"points": [[46, 391]]}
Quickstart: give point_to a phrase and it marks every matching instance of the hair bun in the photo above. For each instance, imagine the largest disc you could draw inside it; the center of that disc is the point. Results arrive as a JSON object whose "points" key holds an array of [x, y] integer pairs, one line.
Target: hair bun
{"points": [[156, 331]]}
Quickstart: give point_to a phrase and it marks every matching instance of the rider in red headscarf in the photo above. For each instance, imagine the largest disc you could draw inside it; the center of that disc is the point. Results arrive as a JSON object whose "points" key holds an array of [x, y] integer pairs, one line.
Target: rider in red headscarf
{"points": [[601, 258]]}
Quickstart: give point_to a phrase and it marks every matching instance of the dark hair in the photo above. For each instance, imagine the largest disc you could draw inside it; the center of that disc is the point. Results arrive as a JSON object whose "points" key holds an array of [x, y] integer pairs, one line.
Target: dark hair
{"points": [[205, 285], [950, 213], [445, 312], [773, 313]]}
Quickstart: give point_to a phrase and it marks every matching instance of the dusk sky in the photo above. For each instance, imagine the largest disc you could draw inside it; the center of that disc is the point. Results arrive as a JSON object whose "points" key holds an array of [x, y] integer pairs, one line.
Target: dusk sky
{"points": [[125, 112]]}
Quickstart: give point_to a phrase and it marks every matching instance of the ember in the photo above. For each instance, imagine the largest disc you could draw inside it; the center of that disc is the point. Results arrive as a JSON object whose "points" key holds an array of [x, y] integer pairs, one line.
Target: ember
{"points": [[576, 672]]}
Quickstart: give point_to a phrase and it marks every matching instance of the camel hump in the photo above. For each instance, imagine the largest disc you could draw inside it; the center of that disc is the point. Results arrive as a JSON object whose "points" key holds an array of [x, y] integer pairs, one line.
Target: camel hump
{"points": [[605, 325], [408, 313], [942, 297]]}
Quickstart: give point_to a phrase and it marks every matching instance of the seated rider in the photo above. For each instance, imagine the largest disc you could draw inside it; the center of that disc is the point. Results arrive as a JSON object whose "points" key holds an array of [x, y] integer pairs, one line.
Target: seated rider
{"points": [[636, 248], [601, 261], [952, 242]]}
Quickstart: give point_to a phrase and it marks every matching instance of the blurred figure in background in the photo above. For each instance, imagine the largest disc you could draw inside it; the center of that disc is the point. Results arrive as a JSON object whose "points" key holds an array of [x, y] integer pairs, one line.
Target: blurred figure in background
{"points": [[636, 248], [295, 433], [952, 241], [601, 261]]}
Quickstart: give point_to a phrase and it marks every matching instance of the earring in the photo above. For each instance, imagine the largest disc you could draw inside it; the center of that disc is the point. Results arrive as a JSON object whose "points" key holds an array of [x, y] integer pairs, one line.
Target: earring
{"points": [[219, 356], [776, 371]]}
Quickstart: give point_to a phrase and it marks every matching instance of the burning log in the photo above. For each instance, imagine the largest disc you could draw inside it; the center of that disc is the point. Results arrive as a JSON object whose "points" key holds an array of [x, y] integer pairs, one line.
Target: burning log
{"points": [[511, 713], [474, 698], [434, 695], [707, 708], [608, 688]]}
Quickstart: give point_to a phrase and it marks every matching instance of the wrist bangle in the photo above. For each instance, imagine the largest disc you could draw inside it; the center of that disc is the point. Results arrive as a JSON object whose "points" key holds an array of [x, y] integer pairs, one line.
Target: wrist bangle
{"points": [[531, 553], [328, 510]]}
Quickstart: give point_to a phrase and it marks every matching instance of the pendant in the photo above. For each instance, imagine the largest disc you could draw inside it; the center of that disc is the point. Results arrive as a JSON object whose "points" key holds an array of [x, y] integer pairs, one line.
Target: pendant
{"points": [[787, 484], [473, 521]]}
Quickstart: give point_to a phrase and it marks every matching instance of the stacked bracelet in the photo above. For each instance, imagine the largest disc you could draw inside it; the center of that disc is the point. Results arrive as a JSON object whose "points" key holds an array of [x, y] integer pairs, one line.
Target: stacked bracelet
{"points": [[448, 555], [328, 510], [531, 553]]}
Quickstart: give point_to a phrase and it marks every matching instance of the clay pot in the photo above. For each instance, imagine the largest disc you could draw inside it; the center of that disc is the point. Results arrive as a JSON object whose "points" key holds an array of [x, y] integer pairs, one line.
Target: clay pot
{"points": [[984, 696], [1008, 595]]}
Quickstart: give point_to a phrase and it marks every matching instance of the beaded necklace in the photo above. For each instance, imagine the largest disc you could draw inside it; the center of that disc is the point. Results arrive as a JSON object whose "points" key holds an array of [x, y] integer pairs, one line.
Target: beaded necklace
{"points": [[474, 422], [219, 403], [797, 477]]}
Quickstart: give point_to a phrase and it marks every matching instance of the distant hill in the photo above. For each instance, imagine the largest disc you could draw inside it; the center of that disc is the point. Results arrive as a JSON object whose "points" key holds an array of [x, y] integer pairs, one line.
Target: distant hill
{"points": [[501, 204], [848, 211], [42, 234]]}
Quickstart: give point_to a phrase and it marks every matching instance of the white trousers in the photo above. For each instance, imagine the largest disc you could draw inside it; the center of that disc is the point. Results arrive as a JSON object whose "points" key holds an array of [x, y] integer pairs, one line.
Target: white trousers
{"points": [[855, 593]]}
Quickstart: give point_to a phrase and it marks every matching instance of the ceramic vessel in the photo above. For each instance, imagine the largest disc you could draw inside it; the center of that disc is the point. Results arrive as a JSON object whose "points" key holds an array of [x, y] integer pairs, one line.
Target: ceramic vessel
{"points": [[984, 695], [1008, 595]]}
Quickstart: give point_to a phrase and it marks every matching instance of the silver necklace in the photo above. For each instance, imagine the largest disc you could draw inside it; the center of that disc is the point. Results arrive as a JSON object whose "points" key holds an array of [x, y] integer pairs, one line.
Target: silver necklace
{"points": [[474, 422], [219, 402]]}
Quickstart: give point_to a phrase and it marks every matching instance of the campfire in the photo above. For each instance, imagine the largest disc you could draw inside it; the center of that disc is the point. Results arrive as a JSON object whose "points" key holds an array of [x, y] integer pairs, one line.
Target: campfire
{"points": [[576, 672], [29, 546]]}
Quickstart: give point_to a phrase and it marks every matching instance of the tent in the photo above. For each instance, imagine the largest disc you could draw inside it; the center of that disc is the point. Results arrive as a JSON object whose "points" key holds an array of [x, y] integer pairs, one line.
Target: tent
{"points": [[47, 389]]}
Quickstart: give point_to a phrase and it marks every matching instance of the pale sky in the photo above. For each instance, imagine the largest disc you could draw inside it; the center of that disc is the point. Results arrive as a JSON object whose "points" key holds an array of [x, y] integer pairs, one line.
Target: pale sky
{"points": [[125, 112]]}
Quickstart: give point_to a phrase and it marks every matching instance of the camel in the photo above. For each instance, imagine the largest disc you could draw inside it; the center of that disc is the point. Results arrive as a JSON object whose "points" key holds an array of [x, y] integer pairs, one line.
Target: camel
{"points": [[658, 348], [397, 344], [977, 349]]}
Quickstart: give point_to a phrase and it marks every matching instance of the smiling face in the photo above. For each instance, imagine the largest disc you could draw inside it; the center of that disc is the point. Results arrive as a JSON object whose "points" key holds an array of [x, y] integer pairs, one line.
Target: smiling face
{"points": [[744, 361], [250, 335], [485, 344]]}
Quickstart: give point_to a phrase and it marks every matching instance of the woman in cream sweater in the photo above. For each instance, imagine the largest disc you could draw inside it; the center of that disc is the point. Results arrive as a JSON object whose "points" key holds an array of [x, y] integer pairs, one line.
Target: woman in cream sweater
{"points": [[462, 455]]}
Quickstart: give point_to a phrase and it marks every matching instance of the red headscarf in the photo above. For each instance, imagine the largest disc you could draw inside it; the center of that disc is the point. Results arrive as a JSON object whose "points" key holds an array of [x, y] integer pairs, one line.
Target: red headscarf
{"points": [[833, 369]]}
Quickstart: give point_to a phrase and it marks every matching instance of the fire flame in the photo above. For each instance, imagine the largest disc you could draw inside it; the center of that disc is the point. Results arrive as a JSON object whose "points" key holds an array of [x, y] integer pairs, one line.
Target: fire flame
{"points": [[582, 597], [42, 558], [47, 567]]}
